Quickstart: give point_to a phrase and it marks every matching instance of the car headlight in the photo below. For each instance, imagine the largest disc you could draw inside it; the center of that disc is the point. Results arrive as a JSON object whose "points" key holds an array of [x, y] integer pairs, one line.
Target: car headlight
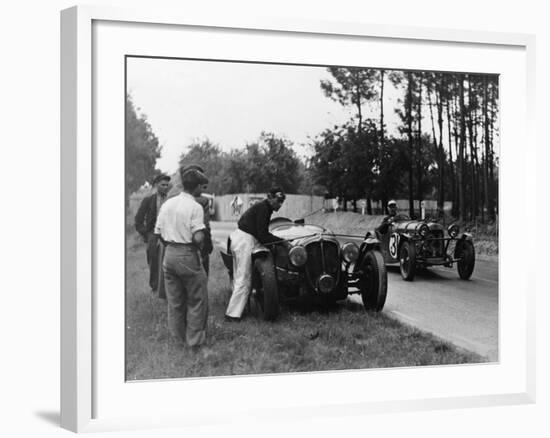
{"points": [[297, 255], [350, 252], [423, 230], [453, 230]]}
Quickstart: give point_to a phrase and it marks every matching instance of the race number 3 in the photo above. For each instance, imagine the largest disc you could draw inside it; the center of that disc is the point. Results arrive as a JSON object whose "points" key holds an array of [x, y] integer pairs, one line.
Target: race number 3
{"points": [[393, 243]]}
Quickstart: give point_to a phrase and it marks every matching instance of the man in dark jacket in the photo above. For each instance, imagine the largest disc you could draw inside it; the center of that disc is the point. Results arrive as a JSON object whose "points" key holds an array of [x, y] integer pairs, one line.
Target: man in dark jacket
{"points": [[253, 229], [145, 220]]}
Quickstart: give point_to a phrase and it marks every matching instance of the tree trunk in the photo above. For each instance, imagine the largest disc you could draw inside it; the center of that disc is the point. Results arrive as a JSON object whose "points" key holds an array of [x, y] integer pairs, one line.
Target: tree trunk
{"points": [[492, 189], [411, 142], [456, 209], [382, 145], [486, 144], [382, 130], [441, 185], [436, 148], [419, 170], [451, 164], [471, 115], [462, 211], [359, 112]]}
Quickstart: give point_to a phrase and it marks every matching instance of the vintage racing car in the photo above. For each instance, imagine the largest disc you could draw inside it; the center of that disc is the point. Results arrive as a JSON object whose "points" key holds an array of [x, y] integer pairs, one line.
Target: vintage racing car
{"points": [[317, 268], [421, 243]]}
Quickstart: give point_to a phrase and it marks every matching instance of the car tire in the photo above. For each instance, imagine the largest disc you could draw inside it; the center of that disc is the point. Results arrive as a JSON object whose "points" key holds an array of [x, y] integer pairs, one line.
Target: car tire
{"points": [[374, 282], [407, 260], [466, 253], [266, 287]]}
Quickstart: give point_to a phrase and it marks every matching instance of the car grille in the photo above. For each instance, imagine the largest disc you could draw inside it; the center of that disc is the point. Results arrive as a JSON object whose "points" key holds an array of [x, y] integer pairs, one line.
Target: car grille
{"points": [[322, 262], [435, 248]]}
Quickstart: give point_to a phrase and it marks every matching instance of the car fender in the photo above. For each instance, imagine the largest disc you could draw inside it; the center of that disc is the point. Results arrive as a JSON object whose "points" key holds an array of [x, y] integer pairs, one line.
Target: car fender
{"points": [[370, 242], [404, 237], [260, 251]]}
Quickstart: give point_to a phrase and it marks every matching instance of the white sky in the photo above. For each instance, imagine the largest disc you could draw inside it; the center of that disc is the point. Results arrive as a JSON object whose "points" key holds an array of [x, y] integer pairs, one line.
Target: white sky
{"points": [[230, 103]]}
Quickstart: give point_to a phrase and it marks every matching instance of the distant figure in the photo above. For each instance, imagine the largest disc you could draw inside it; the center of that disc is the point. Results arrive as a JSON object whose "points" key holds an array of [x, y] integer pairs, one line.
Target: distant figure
{"points": [[145, 219], [335, 204], [236, 206], [392, 212]]}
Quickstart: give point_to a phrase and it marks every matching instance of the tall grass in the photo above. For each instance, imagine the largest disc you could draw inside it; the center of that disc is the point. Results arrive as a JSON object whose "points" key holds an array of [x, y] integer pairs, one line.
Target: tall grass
{"points": [[345, 337]]}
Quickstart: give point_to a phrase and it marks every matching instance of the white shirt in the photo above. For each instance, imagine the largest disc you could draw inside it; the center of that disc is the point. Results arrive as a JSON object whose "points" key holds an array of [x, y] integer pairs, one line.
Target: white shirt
{"points": [[179, 218]]}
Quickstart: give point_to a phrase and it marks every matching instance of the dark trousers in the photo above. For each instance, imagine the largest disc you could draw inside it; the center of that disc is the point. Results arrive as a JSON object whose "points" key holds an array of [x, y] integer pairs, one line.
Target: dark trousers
{"points": [[153, 260], [186, 293]]}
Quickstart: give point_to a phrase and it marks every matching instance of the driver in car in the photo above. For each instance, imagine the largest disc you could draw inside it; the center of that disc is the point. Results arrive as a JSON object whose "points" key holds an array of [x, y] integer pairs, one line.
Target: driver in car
{"points": [[252, 229], [392, 212]]}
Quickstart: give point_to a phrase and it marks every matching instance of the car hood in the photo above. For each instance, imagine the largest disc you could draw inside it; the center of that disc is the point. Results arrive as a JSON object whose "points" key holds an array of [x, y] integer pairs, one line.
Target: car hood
{"points": [[412, 225], [302, 233]]}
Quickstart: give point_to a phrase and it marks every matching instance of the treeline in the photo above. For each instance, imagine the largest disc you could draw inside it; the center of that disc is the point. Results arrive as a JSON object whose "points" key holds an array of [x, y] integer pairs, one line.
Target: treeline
{"points": [[443, 148], [260, 165], [142, 149]]}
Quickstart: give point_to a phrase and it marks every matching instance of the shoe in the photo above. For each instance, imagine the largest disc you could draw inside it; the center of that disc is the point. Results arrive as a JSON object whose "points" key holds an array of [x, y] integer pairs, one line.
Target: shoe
{"points": [[232, 318]]}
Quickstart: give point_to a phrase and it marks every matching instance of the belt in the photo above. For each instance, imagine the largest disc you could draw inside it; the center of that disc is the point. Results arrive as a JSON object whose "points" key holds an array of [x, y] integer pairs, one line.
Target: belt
{"points": [[184, 245]]}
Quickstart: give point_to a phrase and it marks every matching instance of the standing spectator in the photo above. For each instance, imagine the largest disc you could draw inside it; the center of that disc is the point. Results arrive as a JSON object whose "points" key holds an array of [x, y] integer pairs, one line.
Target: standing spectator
{"points": [[145, 219], [181, 225], [205, 204], [207, 247]]}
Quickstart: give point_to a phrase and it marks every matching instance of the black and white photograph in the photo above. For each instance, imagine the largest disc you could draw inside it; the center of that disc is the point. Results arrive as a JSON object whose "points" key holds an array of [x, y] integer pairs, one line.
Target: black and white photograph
{"points": [[285, 218]]}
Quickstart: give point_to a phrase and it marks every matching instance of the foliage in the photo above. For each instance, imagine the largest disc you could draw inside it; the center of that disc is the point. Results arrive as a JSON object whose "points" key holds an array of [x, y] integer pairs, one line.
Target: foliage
{"points": [[344, 160], [263, 164], [444, 148], [142, 148], [351, 86]]}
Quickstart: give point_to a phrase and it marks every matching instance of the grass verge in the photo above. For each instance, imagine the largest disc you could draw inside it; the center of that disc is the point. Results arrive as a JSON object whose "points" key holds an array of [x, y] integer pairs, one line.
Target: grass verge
{"points": [[345, 337]]}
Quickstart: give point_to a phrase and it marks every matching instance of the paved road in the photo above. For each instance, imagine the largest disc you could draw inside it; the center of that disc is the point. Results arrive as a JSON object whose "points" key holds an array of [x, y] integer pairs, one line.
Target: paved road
{"points": [[437, 301]]}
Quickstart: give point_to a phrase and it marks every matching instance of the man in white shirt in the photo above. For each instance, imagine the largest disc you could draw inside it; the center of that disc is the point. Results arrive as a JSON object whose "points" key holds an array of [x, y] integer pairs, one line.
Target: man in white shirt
{"points": [[180, 223]]}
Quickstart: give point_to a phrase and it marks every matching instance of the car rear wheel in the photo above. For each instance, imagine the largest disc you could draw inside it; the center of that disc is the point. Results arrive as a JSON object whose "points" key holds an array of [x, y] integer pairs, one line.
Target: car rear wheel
{"points": [[465, 252], [265, 283], [407, 260], [374, 282]]}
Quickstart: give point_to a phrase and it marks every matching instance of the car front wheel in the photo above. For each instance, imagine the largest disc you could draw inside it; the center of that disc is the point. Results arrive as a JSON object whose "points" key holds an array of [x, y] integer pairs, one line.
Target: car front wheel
{"points": [[465, 252], [374, 281], [407, 260], [265, 283]]}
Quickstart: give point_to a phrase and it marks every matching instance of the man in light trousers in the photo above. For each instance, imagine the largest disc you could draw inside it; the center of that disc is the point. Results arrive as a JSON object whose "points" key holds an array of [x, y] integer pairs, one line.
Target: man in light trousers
{"points": [[252, 229], [181, 225]]}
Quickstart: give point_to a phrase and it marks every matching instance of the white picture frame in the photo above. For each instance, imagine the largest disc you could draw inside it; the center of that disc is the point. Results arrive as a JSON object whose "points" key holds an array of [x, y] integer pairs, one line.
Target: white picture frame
{"points": [[84, 174]]}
